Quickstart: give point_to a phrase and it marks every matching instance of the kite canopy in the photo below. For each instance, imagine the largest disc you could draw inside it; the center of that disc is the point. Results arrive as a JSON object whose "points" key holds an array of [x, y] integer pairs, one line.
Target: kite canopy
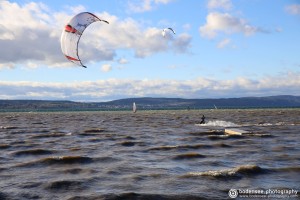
{"points": [[72, 32], [167, 29]]}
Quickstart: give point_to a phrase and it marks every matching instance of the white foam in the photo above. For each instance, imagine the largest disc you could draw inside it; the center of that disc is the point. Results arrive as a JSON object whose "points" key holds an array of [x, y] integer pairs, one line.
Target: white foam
{"points": [[219, 123]]}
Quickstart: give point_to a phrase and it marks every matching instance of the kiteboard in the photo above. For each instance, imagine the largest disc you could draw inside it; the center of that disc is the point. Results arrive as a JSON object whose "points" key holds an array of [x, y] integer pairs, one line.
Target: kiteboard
{"points": [[234, 131]]}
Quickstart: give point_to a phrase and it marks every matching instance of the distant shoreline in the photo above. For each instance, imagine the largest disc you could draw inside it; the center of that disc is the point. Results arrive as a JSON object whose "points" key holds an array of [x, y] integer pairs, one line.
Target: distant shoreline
{"points": [[148, 103], [123, 110]]}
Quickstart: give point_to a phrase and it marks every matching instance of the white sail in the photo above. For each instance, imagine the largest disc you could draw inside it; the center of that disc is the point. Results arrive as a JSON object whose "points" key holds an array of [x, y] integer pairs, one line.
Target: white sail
{"points": [[134, 107]]}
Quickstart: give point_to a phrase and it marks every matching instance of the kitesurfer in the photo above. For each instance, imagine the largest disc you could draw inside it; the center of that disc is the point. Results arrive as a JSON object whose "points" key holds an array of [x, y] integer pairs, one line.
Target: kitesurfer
{"points": [[202, 120]]}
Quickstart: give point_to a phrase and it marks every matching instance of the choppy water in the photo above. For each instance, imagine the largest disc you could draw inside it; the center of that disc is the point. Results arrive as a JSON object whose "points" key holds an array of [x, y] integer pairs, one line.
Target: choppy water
{"points": [[148, 154]]}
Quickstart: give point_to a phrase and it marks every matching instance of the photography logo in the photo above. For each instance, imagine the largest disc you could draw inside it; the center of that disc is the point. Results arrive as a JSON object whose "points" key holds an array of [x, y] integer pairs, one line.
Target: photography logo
{"points": [[233, 193]]}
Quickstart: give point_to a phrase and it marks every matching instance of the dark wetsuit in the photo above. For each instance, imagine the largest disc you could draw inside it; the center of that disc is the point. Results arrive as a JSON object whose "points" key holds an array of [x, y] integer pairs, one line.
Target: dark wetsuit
{"points": [[203, 120]]}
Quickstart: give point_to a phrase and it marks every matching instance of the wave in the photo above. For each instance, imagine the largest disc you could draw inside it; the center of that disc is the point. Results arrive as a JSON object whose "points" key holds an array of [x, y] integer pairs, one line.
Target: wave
{"points": [[163, 148], [3, 195], [263, 135], [274, 124], [196, 146], [65, 185], [50, 135], [289, 169], [222, 145], [130, 138], [33, 152], [94, 130], [8, 127], [4, 146], [61, 160], [38, 123], [2, 169], [237, 172], [73, 171], [167, 148], [188, 156], [137, 196], [29, 185], [127, 143], [224, 137], [68, 160]]}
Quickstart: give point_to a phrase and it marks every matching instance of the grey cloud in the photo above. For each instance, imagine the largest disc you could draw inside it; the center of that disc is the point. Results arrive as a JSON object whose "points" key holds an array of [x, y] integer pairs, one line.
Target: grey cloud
{"points": [[182, 43]]}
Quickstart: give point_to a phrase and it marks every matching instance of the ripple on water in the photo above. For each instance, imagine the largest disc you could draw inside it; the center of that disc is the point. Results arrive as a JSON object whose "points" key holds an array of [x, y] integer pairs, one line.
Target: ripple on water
{"points": [[78, 171], [9, 127], [137, 196], [60, 160], [65, 185], [33, 152], [4, 146], [49, 135], [188, 156], [128, 143], [180, 147], [94, 130]]}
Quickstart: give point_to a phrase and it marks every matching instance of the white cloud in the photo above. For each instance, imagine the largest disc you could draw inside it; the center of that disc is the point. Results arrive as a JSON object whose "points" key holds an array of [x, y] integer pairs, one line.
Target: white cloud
{"points": [[162, 1], [293, 9], [31, 33], [223, 4], [102, 90], [123, 61], [145, 5], [106, 68], [187, 27], [225, 23], [224, 43]]}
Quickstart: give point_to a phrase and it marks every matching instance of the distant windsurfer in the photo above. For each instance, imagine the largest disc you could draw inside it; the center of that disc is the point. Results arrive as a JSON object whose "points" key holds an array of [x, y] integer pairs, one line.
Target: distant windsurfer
{"points": [[202, 120]]}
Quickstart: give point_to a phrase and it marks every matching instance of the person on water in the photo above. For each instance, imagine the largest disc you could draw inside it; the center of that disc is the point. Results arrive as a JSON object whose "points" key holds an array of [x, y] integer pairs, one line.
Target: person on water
{"points": [[202, 120]]}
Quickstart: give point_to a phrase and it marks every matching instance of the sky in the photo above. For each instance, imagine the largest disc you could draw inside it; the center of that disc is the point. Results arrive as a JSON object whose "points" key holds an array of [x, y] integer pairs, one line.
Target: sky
{"points": [[221, 49]]}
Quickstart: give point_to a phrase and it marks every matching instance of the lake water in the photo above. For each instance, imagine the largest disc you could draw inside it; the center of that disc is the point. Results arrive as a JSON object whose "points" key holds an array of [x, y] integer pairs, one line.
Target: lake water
{"points": [[149, 154]]}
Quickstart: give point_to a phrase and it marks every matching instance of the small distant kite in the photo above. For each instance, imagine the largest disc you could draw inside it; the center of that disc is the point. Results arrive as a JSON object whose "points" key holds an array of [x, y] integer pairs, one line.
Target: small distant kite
{"points": [[72, 32], [167, 29]]}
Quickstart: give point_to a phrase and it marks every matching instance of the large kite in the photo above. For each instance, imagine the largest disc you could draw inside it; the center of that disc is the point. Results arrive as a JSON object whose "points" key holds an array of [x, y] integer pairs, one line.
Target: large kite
{"points": [[72, 32]]}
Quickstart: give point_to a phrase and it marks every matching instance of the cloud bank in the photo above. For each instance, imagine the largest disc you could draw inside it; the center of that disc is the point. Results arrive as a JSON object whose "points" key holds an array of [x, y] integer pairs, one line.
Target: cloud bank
{"points": [[104, 90]]}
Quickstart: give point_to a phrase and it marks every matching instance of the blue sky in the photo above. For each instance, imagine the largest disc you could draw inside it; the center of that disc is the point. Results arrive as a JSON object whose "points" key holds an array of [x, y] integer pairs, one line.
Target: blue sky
{"points": [[222, 48]]}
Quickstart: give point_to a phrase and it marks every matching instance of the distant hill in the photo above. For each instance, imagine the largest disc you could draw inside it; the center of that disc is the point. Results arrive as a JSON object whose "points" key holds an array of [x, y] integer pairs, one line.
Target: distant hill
{"points": [[244, 102], [146, 103]]}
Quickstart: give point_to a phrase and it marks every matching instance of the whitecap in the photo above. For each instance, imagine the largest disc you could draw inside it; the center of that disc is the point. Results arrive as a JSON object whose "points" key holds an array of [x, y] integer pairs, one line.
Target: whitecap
{"points": [[219, 123]]}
